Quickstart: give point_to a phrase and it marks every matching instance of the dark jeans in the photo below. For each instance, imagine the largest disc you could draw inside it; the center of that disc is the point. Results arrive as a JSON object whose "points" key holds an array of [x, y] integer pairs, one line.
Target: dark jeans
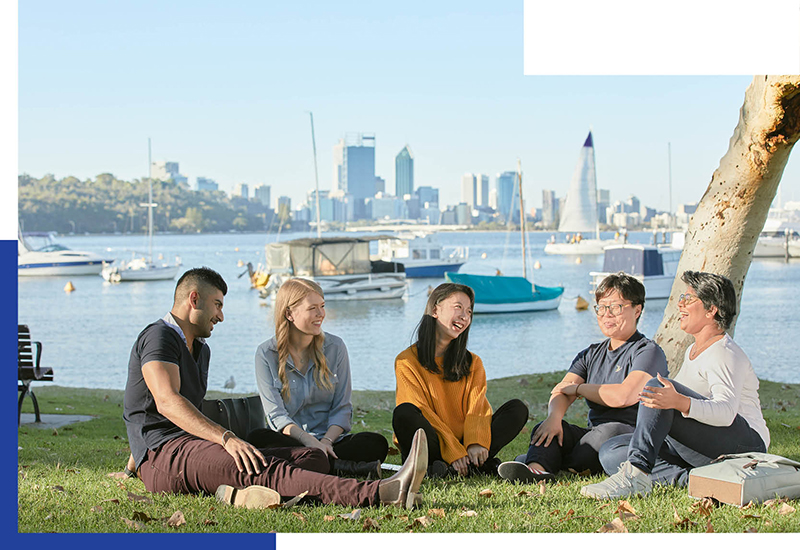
{"points": [[667, 445], [579, 448], [188, 464], [362, 446], [507, 422]]}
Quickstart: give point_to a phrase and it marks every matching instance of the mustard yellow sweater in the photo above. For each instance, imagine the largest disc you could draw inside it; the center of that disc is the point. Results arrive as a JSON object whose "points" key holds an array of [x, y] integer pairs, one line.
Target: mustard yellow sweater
{"points": [[458, 411]]}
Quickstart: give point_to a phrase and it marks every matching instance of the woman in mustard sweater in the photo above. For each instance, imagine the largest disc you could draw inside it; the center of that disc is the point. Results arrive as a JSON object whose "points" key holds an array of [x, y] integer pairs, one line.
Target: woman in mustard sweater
{"points": [[441, 388]]}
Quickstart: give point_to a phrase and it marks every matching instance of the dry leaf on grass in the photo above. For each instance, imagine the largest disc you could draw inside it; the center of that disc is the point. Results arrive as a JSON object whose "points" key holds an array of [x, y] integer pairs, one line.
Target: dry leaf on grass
{"points": [[299, 516], [141, 516], [291, 502], [422, 521], [750, 516], [527, 494], [133, 524], [439, 512], [209, 522], [468, 514], [58, 488], [542, 487], [328, 518], [615, 526], [750, 530], [177, 519], [355, 515], [97, 508], [709, 527], [554, 512], [684, 523], [112, 500], [495, 526], [786, 509], [139, 498], [370, 525], [486, 493], [393, 451], [704, 506], [607, 504], [625, 511], [774, 502], [584, 473]]}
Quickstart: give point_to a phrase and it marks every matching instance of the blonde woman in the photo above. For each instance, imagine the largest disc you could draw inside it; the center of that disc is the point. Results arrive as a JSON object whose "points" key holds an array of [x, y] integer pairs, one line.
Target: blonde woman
{"points": [[303, 377]]}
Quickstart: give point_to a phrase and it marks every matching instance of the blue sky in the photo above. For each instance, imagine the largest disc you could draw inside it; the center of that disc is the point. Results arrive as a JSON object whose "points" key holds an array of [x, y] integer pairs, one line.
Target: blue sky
{"points": [[225, 89]]}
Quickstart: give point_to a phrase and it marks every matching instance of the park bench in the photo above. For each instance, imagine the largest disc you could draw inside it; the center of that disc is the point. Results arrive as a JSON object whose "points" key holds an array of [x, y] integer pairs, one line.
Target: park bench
{"points": [[29, 355]]}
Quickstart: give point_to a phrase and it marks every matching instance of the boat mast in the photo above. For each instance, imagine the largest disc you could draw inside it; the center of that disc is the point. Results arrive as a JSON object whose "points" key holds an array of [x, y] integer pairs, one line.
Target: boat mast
{"points": [[316, 176], [596, 216], [149, 205], [669, 163], [522, 220]]}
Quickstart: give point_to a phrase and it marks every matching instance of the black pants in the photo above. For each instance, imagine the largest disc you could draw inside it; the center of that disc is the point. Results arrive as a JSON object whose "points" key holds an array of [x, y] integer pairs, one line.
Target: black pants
{"points": [[579, 450], [362, 446], [507, 422]]}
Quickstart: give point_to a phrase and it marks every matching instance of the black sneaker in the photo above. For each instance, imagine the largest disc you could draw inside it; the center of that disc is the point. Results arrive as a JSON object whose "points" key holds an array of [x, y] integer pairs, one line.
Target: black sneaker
{"points": [[439, 469]]}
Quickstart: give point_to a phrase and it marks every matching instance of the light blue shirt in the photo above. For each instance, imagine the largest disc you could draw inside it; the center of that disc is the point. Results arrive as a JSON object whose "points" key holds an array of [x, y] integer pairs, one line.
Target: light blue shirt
{"points": [[312, 408]]}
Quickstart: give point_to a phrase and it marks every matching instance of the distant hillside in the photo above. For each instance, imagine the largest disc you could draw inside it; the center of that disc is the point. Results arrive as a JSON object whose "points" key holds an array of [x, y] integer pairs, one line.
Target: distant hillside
{"points": [[108, 205]]}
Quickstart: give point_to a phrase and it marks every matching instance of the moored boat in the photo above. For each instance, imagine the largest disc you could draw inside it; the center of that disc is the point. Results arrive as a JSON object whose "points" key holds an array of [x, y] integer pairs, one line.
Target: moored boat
{"points": [[48, 258], [421, 254], [655, 266], [340, 265]]}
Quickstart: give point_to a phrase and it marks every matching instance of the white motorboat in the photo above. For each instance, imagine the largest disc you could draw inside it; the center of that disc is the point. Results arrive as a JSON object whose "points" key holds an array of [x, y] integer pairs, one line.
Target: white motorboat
{"points": [[580, 210], [421, 254], [340, 265], [143, 268], [781, 232], [39, 255], [655, 266]]}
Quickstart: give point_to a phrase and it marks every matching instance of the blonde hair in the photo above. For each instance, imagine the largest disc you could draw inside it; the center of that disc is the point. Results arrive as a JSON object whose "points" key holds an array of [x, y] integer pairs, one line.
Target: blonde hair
{"points": [[291, 293]]}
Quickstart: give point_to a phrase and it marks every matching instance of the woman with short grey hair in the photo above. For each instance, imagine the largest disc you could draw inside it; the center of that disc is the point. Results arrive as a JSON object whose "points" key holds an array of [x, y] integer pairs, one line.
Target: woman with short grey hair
{"points": [[711, 407]]}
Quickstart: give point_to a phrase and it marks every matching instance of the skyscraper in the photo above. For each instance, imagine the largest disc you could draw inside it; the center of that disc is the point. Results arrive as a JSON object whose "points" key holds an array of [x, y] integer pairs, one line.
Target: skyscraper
{"points": [[482, 189], [506, 188], [404, 173], [338, 166], [469, 190], [549, 208], [262, 194], [358, 170]]}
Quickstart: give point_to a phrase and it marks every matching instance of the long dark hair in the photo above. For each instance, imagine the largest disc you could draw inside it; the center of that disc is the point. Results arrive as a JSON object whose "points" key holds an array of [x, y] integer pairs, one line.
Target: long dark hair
{"points": [[457, 359]]}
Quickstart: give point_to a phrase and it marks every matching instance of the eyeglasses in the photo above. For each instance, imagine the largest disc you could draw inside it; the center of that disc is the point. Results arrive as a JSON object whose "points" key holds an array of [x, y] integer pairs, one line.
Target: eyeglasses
{"points": [[687, 298], [614, 309]]}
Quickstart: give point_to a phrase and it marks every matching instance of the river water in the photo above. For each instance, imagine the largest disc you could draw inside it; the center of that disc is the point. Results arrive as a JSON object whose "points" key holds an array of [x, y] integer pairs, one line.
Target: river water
{"points": [[88, 334]]}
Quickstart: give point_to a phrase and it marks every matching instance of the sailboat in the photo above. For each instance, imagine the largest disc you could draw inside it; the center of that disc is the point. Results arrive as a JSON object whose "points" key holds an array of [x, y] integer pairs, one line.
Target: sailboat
{"points": [[507, 294], [580, 209], [143, 268]]}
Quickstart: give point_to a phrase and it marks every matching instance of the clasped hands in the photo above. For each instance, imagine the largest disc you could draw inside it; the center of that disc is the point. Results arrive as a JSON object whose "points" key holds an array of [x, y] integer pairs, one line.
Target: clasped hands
{"points": [[476, 455]]}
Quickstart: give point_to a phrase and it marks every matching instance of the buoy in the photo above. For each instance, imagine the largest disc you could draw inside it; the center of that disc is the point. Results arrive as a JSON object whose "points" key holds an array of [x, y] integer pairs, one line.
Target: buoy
{"points": [[236, 249], [240, 263], [160, 256], [537, 265], [483, 256], [69, 287], [578, 260], [581, 304]]}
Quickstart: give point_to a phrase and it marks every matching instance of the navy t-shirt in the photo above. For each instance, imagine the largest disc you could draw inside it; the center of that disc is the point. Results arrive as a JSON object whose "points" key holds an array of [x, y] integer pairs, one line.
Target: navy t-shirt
{"points": [[598, 364], [147, 428]]}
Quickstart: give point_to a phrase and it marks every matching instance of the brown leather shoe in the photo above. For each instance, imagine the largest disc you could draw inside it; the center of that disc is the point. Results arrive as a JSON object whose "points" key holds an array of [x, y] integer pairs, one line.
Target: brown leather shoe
{"points": [[402, 489], [254, 496]]}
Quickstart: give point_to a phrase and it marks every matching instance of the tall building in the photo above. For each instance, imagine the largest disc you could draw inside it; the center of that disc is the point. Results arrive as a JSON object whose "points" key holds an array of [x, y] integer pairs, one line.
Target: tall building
{"points": [[549, 208], [358, 170], [506, 192], [482, 190], [338, 166], [380, 185], [285, 208], [262, 194], [429, 195], [206, 184], [167, 171], [242, 190], [469, 190], [603, 202], [404, 172]]}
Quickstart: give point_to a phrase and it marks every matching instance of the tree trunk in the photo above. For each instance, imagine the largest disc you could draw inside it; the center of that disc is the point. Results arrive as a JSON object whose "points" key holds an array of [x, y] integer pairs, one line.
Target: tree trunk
{"points": [[723, 232]]}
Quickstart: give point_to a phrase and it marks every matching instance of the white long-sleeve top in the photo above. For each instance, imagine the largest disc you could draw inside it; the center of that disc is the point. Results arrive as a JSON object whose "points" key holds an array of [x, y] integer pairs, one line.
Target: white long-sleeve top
{"points": [[724, 375]]}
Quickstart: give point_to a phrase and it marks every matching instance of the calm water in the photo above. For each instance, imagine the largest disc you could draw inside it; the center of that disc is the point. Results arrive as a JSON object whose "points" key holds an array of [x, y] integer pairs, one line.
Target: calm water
{"points": [[88, 334]]}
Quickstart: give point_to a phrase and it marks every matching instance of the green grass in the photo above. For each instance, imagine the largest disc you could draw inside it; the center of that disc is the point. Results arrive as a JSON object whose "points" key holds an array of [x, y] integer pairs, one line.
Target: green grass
{"points": [[64, 487]]}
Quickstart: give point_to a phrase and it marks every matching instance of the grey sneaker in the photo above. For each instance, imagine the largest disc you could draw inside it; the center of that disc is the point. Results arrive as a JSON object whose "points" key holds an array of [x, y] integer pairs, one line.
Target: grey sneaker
{"points": [[629, 480]]}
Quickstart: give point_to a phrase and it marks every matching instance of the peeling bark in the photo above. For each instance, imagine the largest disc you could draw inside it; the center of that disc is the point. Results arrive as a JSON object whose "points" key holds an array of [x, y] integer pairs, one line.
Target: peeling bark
{"points": [[723, 232]]}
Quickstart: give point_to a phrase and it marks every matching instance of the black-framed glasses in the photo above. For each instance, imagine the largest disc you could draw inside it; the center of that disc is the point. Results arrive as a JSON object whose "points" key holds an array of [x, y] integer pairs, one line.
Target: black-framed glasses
{"points": [[687, 298], [614, 309]]}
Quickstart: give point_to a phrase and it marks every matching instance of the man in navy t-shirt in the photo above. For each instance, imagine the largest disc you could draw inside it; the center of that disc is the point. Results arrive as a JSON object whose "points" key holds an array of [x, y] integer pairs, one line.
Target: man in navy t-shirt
{"points": [[176, 449], [609, 375]]}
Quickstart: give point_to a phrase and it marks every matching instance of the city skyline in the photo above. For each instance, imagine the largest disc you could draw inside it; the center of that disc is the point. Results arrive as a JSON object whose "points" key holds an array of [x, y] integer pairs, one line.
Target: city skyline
{"points": [[235, 109]]}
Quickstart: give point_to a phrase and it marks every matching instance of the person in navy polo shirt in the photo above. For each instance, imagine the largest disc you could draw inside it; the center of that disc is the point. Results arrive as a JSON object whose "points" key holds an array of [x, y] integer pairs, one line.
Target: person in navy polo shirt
{"points": [[609, 375]]}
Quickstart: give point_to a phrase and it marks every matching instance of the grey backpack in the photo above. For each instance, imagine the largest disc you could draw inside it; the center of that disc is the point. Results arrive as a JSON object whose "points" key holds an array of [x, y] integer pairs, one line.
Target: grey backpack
{"points": [[742, 478]]}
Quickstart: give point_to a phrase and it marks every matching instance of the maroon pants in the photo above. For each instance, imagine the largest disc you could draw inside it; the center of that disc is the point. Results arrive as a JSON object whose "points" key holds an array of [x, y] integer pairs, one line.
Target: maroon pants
{"points": [[188, 464]]}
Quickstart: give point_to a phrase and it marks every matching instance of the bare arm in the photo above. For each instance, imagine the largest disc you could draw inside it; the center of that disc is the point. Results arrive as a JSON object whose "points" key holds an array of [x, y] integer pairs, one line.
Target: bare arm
{"points": [[163, 381], [616, 395]]}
